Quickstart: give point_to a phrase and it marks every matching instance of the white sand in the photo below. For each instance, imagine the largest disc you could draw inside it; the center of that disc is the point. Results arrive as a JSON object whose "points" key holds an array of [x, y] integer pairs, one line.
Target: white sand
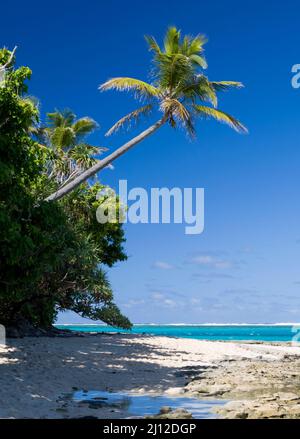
{"points": [[36, 373]]}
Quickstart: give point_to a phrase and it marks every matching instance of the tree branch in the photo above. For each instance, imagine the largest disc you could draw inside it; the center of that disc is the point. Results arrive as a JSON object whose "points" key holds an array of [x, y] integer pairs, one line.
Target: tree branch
{"points": [[4, 66]]}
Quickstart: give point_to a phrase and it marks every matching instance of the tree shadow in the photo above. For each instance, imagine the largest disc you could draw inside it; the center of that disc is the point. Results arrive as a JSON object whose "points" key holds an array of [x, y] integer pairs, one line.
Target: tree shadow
{"points": [[39, 375]]}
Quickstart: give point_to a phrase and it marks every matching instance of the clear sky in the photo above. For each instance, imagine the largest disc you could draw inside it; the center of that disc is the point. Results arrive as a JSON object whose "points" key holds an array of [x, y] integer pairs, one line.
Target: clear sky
{"points": [[245, 266]]}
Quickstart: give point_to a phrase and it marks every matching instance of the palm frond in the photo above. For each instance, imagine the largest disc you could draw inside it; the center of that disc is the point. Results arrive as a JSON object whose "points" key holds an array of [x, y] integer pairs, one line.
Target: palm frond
{"points": [[64, 118], [220, 116], [129, 118], [199, 60], [84, 126], [83, 155], [152, 43], [172, 70], [171, 40], [55, 119], [124, 84], [193, 49], [174, 109], [62, 137], [95, 149], [226, 85], [198, 88], [69, 117], [184, 46], [195, 46]]}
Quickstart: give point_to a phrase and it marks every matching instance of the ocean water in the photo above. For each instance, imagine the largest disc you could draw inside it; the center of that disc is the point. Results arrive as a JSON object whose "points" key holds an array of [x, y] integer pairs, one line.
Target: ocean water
{"points": [[280, 333], [144, 405]]}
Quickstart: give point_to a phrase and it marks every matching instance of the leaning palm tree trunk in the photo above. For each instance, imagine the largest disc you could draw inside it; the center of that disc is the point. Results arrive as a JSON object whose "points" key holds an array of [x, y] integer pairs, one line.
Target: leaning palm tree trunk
{"points": [[105, 162]]}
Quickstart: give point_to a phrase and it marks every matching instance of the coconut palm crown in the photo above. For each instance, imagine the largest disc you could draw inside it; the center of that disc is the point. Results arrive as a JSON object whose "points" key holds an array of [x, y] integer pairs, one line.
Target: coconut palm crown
{"points": [[65, 136], [179, 89]]}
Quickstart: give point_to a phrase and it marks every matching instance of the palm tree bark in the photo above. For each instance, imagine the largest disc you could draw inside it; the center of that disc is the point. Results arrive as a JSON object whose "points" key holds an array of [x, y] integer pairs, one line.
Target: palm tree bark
{"points": [[105, 162]]}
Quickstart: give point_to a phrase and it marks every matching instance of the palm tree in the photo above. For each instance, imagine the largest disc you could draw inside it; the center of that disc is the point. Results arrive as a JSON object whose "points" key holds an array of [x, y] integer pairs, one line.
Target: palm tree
{"points": [[65, 137], [178, 90]]}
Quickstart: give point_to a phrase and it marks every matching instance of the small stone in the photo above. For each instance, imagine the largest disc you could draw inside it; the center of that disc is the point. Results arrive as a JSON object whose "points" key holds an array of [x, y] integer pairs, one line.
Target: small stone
{"points": [[164, 410]]}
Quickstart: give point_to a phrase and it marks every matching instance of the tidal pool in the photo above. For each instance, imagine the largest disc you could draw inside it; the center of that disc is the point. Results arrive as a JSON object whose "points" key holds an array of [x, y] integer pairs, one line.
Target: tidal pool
{"points": [[143, 405]]}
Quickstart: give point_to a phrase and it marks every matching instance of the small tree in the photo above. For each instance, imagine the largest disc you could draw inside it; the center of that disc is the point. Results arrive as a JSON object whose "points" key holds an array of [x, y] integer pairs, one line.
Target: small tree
{"points": [[65, 137]]}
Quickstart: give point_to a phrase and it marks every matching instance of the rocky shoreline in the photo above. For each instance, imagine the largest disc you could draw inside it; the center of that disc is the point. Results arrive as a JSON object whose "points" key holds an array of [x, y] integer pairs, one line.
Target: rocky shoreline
{"points": [[255, 388]]}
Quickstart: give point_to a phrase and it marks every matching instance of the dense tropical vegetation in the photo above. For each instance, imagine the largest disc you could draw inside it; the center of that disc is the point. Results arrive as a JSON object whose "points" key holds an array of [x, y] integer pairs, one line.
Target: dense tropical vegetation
{"points": [[52, 254]]}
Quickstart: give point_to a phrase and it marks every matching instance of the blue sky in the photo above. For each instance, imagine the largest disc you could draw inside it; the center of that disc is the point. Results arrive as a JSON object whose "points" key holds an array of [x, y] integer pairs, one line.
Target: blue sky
{"points": [[245, 266]]}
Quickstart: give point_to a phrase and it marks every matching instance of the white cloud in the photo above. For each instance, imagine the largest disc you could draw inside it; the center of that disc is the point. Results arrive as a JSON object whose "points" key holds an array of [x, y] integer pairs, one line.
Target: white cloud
{"points": [[164, 300], [294, 311], [223, 264], [163, 265], [133, 302], [170, 303], [203, 260], [157, 296], [211, 261]]}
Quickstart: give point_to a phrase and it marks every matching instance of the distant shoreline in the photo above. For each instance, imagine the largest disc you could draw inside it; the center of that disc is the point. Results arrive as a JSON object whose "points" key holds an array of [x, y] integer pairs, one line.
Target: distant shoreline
{"points": [[183, 324], [228, 332]]}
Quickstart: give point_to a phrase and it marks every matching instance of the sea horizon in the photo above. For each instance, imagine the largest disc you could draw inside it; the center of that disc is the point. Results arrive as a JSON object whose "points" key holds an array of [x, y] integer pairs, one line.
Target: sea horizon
{"points": [[186, 324], [259, 332]]}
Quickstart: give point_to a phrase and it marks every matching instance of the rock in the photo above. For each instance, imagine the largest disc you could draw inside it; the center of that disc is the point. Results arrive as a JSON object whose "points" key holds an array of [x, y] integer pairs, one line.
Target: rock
{"points": [[86, 417], [173, 391], [241, 415], [233, 405], [171, 414], [287, 396], [257, 387], [164, 410], [294, 411]]}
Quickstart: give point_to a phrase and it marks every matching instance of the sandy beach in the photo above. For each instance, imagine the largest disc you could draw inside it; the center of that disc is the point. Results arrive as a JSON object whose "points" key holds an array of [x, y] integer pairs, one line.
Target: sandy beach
{"points": [[39, 375]]}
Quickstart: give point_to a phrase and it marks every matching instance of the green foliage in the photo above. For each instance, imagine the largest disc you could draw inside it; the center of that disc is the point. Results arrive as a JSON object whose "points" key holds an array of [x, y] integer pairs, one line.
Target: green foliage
{"points": [[178, 85], [52, 254], [68, 151]]}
